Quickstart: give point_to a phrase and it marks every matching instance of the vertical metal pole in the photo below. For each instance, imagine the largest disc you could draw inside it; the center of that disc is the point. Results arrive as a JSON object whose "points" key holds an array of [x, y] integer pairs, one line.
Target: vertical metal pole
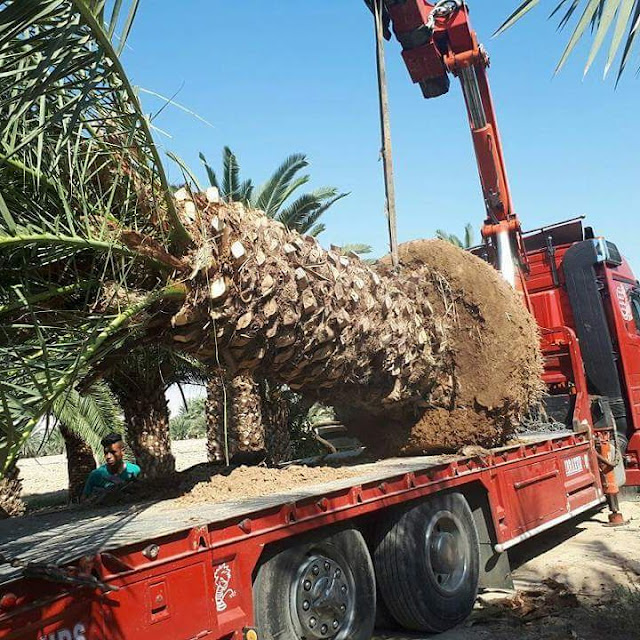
{"points": [[385, 128]]}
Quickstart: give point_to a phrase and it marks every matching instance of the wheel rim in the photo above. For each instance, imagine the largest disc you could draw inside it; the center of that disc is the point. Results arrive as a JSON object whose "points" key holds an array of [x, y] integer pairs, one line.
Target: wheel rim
{"points": [[323, 597], [447, 553]]}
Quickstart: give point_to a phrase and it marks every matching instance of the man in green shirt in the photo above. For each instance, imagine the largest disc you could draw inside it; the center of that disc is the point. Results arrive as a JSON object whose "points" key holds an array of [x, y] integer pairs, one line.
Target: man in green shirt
{"points": [[115, 472]]}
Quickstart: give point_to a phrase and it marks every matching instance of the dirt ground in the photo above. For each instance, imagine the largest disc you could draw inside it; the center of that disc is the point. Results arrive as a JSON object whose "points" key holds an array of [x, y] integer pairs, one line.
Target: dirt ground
{"points": [[580, 581]]}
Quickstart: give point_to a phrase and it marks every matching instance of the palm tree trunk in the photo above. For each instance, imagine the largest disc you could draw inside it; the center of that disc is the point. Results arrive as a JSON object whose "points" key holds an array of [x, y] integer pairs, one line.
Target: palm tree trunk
{"points": [[247, 435], [217, 420], [10, 489], [147, 423], [80, 462], [237, 434], [275, 410]]}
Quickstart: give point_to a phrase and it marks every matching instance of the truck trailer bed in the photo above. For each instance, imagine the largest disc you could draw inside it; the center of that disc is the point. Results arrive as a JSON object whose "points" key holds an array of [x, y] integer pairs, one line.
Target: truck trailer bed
{"points": [[66, 536]]}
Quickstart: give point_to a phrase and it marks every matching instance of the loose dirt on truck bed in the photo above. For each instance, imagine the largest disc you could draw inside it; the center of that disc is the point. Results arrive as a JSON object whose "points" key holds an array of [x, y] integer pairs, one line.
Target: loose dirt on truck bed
{"points": [[253, 482]]}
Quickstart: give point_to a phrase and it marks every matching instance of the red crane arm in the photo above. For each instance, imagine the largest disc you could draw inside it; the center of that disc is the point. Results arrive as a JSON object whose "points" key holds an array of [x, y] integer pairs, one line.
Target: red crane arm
{"points": [[437, 40]]}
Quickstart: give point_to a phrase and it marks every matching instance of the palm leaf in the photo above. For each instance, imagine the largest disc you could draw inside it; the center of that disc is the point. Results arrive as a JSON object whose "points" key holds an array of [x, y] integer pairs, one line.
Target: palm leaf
{"points": [[63, 83], [520, 12], [272, 194], [586, 18], [230, 175], [624, 15], [605, 19], [211, 174], [600, 16]]}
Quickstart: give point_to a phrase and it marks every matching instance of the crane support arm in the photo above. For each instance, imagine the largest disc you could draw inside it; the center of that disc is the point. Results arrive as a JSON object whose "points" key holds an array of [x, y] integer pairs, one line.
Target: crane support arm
{"points": [[437, 40]]}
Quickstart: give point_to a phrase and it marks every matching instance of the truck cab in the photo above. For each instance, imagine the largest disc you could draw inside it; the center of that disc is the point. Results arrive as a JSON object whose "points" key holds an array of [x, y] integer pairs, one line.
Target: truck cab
{"points": [[579, 281]]}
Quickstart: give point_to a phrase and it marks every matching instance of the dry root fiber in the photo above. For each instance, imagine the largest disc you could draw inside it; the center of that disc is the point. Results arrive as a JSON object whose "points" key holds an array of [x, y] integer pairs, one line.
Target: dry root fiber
{"points": [[439, 355]]}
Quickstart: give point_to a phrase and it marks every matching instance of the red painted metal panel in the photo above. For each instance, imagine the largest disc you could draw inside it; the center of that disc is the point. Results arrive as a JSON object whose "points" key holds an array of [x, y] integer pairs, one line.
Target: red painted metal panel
{"points": [[174, 604], [200, 583]]}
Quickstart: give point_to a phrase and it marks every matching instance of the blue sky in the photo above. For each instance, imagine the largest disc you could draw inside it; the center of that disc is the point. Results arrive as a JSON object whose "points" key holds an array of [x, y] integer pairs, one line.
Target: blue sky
{"points": [[281, 77]]}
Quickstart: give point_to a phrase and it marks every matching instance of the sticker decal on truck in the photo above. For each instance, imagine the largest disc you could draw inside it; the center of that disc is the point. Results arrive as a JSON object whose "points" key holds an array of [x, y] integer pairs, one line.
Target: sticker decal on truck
{"points": [[573, 466], [623, 303], [222, 578]]}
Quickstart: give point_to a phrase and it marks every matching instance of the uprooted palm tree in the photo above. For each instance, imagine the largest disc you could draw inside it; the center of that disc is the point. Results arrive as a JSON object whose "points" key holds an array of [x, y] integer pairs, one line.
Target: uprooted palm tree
{"points": [[98, 259], [619, 19]]}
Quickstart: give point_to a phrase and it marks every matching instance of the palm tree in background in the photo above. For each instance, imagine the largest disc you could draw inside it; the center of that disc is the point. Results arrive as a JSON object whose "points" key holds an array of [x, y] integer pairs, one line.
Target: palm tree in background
{"points": [[140, 381], [619, 19], [466, 243], [275, 196]]}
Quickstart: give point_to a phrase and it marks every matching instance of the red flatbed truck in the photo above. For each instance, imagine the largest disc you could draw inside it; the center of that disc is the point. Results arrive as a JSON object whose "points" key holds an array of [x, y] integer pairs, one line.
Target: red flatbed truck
{"points": [[413, 538], [428, 531]]}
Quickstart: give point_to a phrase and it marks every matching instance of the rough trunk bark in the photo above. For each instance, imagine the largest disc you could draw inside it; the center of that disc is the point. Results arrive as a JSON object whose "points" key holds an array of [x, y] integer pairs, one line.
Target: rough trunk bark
{"points": [[255, 426], [147, 424], [268, 302], [217, 422], [80, 462], [275, 409], [10, 489], [236, 435]]}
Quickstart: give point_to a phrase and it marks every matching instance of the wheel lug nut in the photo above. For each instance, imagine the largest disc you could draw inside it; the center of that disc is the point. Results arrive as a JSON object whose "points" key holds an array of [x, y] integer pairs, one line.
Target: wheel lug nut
{"points": [[312, 622], [307, 585], [344, 588], [324, 629], [327, 566], [315, 570], [306, 605], [335, 624], [338, 573], [343, 607]]}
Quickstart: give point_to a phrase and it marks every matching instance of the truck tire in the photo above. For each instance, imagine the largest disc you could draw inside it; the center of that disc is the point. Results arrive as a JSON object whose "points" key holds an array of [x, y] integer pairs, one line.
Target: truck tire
{"points": [[321, 587], [427, 563]]}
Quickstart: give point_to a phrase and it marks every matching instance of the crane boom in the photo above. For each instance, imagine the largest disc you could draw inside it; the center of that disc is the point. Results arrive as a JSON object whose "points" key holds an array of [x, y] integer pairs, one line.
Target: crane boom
{"points": [[437, 40]]}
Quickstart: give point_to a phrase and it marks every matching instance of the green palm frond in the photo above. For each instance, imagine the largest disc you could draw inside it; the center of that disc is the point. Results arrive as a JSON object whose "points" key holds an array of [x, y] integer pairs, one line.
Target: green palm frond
{"points": [[211, 174], [89, 234], [230, 175], [91, 415], [68, 110], [303, 212], [469, 236], [603, 18], [357, 248], [314, 232], [44, 352], [271, 195]]}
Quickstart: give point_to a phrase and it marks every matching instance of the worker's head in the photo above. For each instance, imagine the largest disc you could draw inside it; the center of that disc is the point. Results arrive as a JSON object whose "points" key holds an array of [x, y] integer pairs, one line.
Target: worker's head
{"points": [[113, 448]]}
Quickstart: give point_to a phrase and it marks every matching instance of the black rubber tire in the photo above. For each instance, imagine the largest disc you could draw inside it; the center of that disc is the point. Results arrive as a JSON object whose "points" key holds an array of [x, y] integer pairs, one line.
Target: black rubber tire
{"points": [[279, 580], [427, 563]]}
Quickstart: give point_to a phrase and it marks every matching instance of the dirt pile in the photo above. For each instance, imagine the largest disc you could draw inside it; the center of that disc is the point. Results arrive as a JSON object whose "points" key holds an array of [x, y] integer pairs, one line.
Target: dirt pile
{"points": [[492, 344], [255, 482]]}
